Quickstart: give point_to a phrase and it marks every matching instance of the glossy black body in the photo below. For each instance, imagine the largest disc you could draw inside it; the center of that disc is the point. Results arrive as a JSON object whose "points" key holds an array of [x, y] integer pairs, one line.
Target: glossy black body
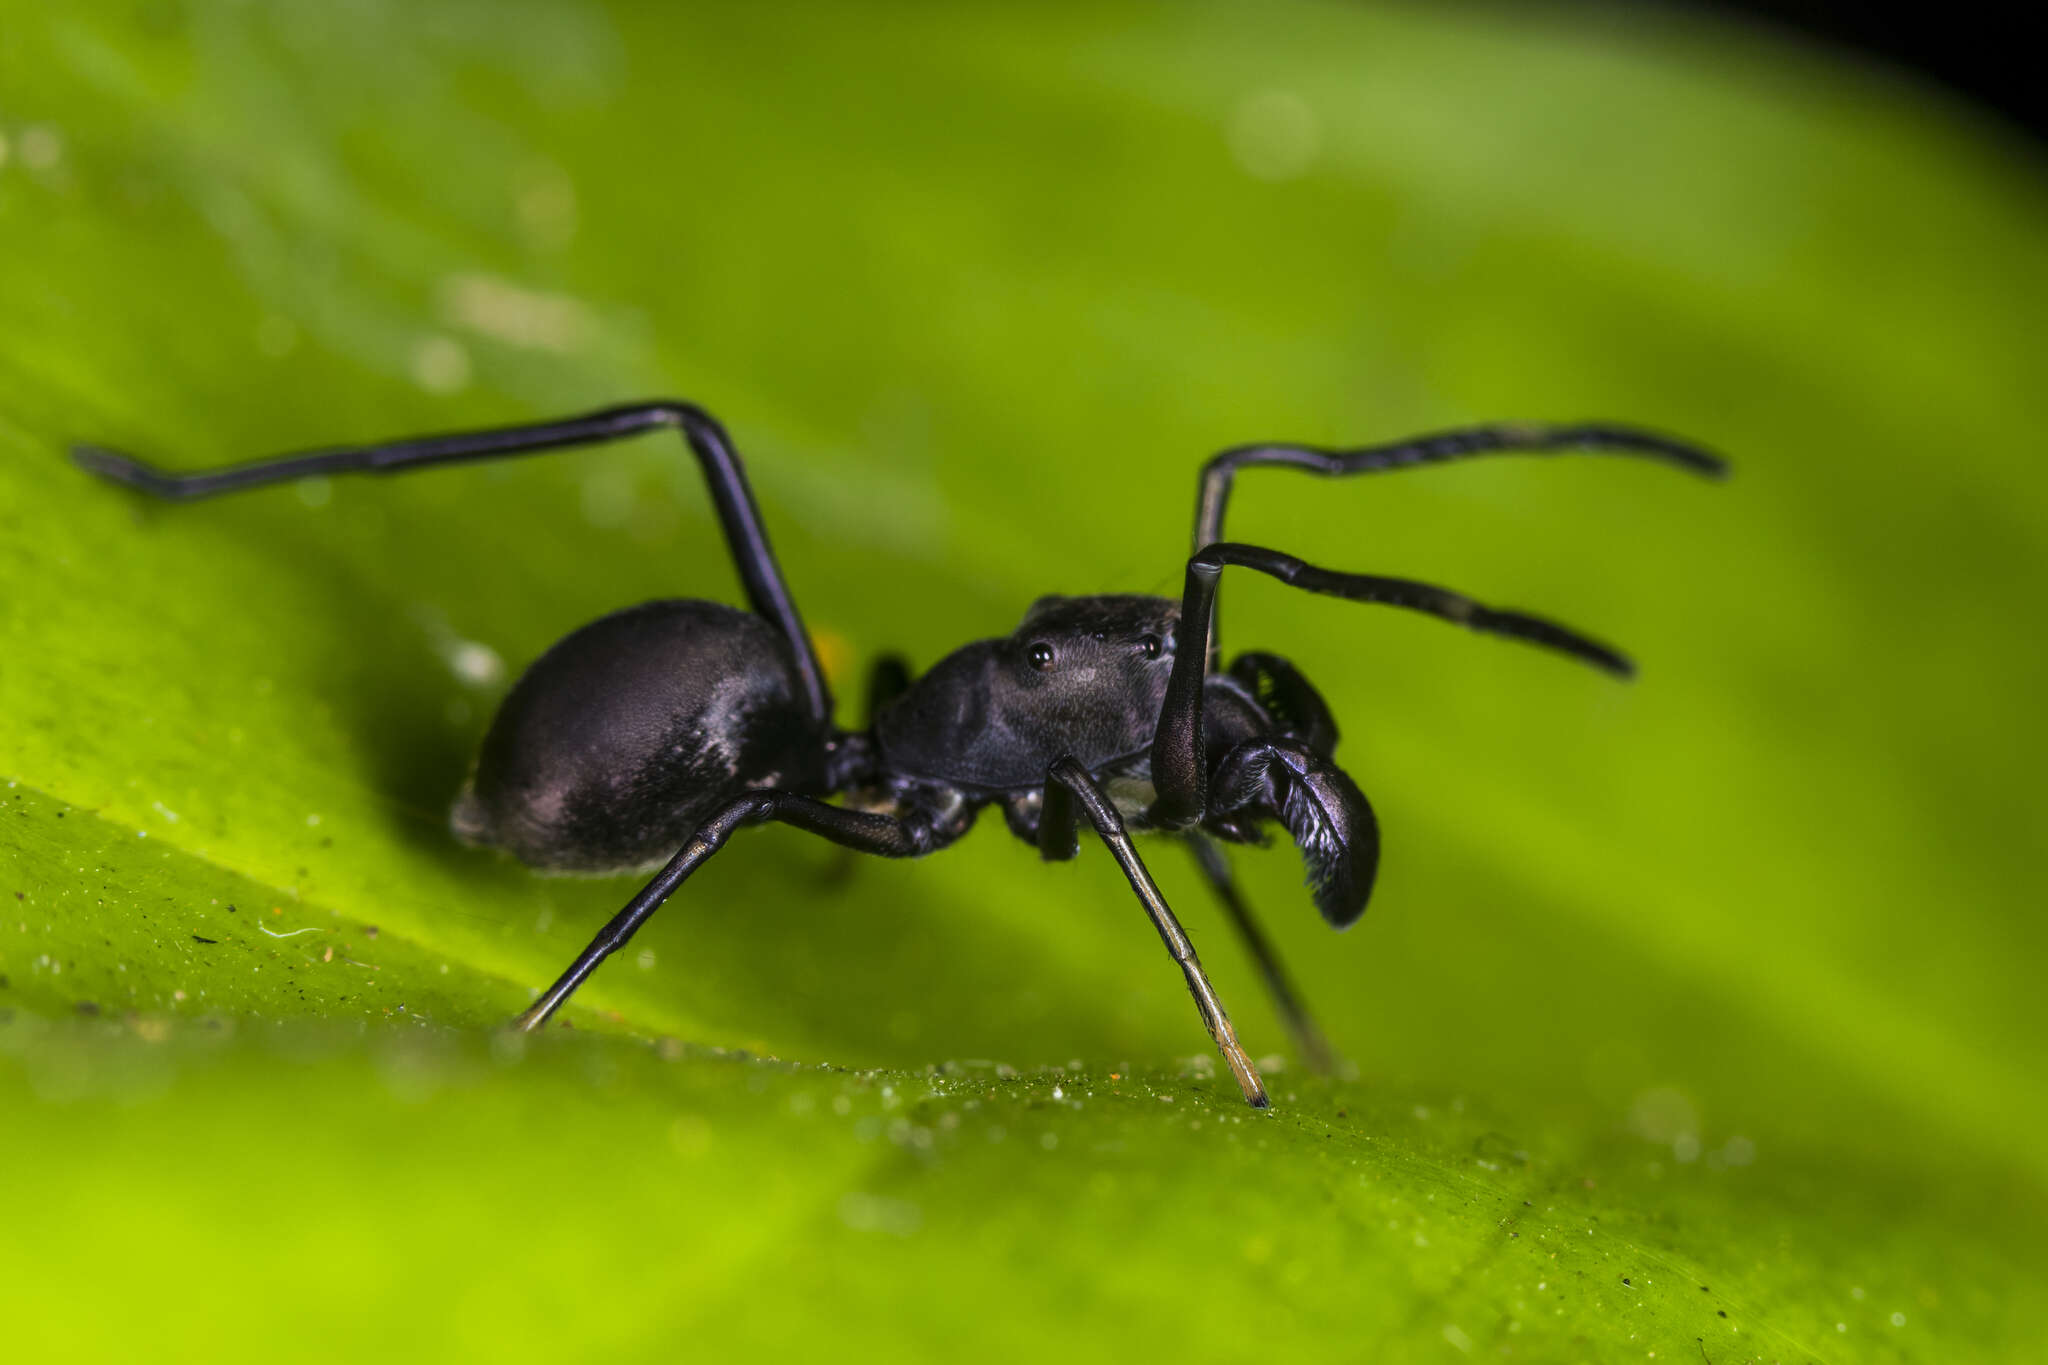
{"points": [[992, 718], [1087, 678], [620, 740], [650, 736]]}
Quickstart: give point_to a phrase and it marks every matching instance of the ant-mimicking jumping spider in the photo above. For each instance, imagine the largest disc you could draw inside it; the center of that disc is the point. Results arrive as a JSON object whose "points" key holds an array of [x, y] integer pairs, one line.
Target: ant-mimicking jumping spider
{"points": [[647, 737]]}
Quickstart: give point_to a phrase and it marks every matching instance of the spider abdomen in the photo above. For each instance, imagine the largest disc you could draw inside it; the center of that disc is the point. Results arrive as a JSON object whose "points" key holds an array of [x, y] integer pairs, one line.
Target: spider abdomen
{"points": [[619, 740]]}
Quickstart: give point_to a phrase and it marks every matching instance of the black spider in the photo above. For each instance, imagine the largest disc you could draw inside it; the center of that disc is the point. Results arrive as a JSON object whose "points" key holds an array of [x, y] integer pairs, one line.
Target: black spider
{"points": [[645, 739]]}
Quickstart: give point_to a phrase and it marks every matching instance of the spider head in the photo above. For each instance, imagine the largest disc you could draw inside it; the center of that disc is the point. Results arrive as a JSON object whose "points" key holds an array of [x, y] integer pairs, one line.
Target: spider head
{"points": [[1080, 676]]}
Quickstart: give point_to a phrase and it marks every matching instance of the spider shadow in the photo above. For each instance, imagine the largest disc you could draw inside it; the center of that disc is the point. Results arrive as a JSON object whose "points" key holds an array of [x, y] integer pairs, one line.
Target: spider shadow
{"points": [[412, 724], [415, 751]]}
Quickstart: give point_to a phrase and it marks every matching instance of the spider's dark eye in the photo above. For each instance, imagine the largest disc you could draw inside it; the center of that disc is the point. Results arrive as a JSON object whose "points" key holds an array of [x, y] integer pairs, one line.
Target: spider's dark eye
{"points": [[1041, 656], [1149, 646]]}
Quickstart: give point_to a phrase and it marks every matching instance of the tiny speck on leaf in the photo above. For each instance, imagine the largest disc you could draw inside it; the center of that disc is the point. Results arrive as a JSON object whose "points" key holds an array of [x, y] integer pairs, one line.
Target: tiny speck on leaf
{"points": [[197, 939]]}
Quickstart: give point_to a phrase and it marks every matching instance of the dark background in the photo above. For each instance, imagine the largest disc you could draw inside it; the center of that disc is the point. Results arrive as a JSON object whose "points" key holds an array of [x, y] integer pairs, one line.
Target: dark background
{"points": [[1975, 50]]}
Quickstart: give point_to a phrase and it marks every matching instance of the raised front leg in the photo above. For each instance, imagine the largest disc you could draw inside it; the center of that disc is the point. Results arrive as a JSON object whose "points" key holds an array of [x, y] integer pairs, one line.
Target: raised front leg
{"points": [[1178, 772], [1499, 438], [1070, 776], [767, 592]]}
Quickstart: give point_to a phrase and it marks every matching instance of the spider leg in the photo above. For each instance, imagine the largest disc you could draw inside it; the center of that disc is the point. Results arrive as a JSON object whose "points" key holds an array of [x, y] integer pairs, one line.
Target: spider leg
{"points": [[767, 592], [1501, 438], [888, 679], [1059, 823], [1315, 1048], [1178, 772], [886, 835], [1068, 774]]}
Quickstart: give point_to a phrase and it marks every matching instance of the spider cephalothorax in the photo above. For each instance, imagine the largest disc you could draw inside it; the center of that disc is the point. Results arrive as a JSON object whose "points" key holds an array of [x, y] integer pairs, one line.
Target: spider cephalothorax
{"points": [[646, 738]]}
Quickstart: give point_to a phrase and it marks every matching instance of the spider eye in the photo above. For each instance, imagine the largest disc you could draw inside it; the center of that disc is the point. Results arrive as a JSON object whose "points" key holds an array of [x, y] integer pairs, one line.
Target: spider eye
{"points": [[1041, 656], [1149, 646]]}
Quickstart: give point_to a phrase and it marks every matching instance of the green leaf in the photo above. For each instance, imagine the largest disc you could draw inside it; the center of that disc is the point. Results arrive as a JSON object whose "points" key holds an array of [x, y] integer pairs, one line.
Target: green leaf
{"points": [[1693, 1018]]}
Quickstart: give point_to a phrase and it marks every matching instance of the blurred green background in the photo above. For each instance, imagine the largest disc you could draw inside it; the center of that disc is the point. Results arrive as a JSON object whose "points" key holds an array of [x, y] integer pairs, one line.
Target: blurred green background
{"points": [[1696, 1017]]}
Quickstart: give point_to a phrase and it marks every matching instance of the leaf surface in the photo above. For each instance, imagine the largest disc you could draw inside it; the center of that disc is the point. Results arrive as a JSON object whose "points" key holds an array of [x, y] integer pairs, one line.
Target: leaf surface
{"points": [[1713, 995]]}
